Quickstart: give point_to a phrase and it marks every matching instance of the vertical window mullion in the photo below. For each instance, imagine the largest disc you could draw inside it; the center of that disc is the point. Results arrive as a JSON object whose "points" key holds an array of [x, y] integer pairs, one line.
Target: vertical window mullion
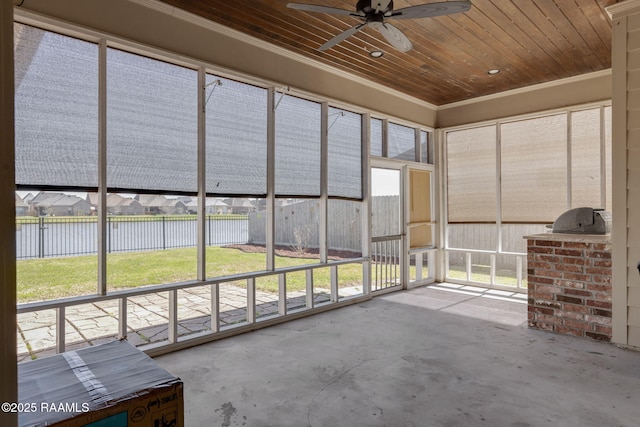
{"points": [[603, 161], [202, 176], [569, 159], [499, 186], [385, 138], [102, 168], [366, 202], [324, 181], [270, 203], [418, 152]]}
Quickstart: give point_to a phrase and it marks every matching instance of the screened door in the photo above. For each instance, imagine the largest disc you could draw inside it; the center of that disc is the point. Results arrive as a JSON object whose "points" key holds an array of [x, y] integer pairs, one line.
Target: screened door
{"points": [[386, 228], [420, 227]]}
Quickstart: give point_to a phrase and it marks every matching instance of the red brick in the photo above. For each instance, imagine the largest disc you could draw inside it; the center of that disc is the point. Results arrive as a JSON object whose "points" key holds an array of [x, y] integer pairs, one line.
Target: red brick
{"points": [[549, 319], [576, 292], [538, 264], [598, 270], [601, 313], [602, 263], [569, 300], [575, 261], [546, 289], [568, 331], [548, 273], [601, 279], [598, 254], [599, 337], [577, 324], [540, 280], [540, 250], [568, 252], [599, 304], [598, 287], [606, 321], [577, 276], [601, 246], [570, 284], [572, 314], [541, 310], [575, 245], [570, 268], [575, 308], [604, 330], [540, 325], [546, 303], [602, 296], [553, 243], [546, 258]]}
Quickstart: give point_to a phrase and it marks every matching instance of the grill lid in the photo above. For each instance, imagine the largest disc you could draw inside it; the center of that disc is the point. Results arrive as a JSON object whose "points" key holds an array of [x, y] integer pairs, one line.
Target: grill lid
{"points": [[583, 221]]}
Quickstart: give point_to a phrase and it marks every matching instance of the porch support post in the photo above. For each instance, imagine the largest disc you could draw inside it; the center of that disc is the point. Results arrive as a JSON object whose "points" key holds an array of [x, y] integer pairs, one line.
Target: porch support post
{"points": [[8, 327]]}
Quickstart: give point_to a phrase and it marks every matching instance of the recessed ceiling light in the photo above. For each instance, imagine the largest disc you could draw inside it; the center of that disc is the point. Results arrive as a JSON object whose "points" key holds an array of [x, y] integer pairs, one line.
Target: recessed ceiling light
{"points": [[376, 53], [494, 71]]}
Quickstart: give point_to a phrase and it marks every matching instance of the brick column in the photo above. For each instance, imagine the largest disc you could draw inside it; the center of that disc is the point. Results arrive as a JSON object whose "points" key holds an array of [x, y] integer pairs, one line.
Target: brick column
{"points": [[569, 282]]}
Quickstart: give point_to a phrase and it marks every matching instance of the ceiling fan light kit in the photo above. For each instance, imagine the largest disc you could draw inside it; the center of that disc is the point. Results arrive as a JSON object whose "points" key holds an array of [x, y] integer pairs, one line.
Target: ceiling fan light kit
{"points": [[373, 14]]}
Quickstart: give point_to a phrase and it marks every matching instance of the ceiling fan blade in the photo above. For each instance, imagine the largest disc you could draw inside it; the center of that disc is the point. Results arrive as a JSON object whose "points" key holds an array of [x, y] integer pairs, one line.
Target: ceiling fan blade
{"points": [[393, 35], [322, 9], [431, 9], [340, 37]]}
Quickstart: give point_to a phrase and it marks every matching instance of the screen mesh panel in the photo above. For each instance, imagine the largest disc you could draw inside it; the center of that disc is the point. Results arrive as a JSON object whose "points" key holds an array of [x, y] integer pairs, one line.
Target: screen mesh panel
{"points": [[297, 165], [56, 109], [151, 124], [376, 137], [402, 142], [471, 175], [534, 169], [236, 122], [345, 154], [585, 158]]}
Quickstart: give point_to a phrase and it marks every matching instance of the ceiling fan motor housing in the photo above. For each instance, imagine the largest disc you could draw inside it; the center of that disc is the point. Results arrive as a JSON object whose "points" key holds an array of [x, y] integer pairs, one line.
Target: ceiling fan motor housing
{"points": [[364, 6]]}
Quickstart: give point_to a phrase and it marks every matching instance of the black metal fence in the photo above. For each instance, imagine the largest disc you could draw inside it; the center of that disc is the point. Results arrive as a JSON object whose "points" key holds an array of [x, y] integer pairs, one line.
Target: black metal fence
{"points": [[67, 236]]}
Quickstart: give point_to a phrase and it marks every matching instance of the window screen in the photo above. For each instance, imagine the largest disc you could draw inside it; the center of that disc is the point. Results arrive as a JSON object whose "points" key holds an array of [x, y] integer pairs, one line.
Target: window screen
{"points": [[345, 154], [236, 121], [402, 142], [297, 165], [471, 175], [585, 158], [376, 137], [151, 124], [534, 169], [56, 109]]}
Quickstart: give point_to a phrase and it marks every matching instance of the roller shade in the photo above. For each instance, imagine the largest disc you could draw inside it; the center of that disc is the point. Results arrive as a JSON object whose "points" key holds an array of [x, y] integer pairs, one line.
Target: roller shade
{"points": [[534, 169], [345, 154], [236, 122], [56, 109], [151, 124], [471, 175], [297, 165]]}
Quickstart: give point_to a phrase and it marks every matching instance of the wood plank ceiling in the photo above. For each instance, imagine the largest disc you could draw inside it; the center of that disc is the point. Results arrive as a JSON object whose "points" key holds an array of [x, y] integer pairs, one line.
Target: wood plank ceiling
{"points": [[529, 41]]}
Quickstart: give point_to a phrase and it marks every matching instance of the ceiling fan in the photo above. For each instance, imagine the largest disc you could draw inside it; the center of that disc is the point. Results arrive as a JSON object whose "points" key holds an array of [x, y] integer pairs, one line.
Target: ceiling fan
{"points": [[374, 12]]}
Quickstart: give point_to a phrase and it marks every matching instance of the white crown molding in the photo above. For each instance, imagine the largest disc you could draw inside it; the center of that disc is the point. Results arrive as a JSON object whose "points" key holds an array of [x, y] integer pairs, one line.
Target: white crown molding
{"points": [[527, 89], [623, 8], [245, 38]]}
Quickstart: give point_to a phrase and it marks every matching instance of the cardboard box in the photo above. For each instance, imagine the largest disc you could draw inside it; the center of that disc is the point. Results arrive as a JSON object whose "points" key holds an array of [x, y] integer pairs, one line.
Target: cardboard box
{"points": [[110, 385]]}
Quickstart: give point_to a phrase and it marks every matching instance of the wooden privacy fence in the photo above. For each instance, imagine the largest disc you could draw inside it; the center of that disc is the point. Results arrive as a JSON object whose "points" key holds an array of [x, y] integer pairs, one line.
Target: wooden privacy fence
{"points": [[297, 225]]}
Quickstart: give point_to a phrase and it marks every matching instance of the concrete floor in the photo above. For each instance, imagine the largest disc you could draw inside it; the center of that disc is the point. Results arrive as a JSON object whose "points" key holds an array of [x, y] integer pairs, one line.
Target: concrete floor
{"points": [[424, 357]]}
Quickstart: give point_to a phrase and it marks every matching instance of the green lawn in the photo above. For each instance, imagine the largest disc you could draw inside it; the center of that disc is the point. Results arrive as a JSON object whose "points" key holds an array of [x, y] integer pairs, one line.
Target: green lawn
{"points": [[50, 278]]}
